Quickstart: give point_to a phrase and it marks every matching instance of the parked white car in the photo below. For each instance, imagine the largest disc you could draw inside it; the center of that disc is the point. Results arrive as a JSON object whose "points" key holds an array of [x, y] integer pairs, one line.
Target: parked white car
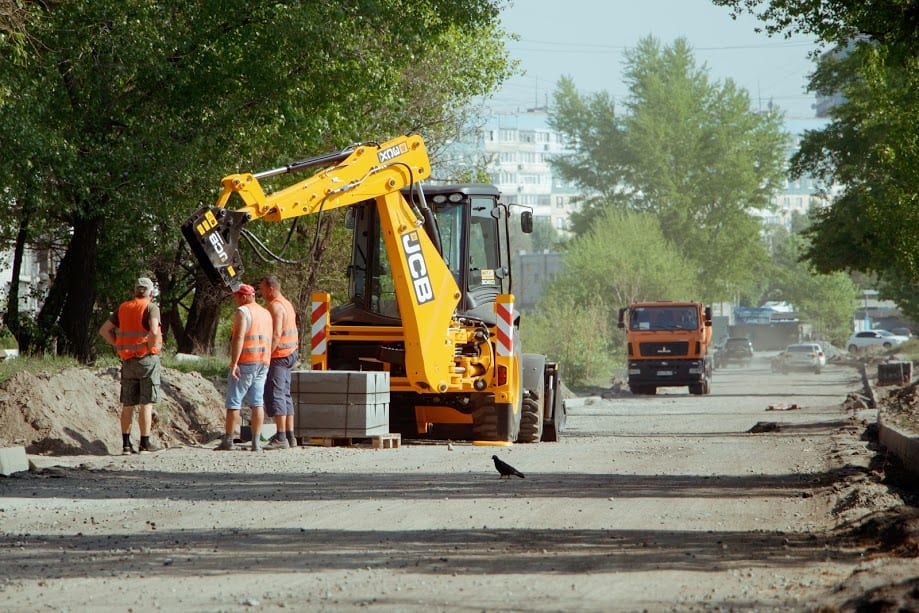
{"points": [[859, 341], [800, 356]]}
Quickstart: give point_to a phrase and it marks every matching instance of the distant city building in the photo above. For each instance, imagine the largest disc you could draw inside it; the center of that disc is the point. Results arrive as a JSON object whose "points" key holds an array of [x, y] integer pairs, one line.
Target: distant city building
{"points": [[37, 267], [518, 149], [802, 195]]}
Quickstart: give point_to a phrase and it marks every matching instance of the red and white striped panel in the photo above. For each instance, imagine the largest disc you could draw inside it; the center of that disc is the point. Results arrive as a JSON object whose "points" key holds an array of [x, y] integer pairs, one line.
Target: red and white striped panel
{"points": [[504, 308], [320, 323]]}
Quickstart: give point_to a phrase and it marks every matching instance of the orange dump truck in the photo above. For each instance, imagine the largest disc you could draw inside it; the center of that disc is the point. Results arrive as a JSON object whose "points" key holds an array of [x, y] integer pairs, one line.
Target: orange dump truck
{"points": [[669, 345]]}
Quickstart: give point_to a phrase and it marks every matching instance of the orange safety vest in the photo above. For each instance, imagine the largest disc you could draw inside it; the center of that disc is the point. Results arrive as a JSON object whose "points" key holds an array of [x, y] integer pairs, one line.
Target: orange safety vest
{"points": [[290, 338], [131, 336], [257, 341]]}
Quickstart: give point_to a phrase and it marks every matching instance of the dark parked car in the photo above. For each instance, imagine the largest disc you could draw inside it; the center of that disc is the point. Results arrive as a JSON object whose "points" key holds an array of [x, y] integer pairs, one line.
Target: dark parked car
{"points": [[735, 350]]}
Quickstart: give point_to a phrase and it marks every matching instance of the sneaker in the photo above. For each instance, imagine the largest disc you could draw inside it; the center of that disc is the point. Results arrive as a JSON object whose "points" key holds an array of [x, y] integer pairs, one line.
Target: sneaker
{"points": [[150, 447], [278, 442], [292, 441], [128, 450], [257, 448], [226, 444]]}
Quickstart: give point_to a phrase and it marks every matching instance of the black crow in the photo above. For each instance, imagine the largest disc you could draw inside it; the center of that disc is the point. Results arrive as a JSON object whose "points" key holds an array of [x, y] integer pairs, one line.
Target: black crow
{"points": [[506, 469]]}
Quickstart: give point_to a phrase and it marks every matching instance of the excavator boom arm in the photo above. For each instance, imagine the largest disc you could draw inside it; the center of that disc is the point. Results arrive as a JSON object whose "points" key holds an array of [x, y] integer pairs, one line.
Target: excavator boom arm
{"points": [[425, 288]]}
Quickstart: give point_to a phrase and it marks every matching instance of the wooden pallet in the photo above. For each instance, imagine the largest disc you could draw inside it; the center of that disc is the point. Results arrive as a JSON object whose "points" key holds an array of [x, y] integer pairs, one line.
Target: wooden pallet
{"points": [[381, 441]]}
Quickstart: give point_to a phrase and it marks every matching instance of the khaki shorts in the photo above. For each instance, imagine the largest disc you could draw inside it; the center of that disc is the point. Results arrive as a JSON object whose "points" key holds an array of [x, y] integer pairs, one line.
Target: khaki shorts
{"points": [[140, 380]]}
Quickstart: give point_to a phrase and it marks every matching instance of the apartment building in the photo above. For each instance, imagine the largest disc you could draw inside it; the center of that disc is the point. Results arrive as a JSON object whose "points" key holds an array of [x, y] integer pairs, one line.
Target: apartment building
{"points": [[518, 148]]}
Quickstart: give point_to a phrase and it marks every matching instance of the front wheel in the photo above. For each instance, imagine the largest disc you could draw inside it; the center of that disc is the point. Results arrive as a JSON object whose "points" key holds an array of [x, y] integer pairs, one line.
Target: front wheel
{"points": [[530, 421], [853, 349]]}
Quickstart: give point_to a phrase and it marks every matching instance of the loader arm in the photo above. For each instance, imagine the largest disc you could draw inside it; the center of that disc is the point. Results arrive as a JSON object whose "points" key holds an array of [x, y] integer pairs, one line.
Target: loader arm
{"points": [[425, 289]]}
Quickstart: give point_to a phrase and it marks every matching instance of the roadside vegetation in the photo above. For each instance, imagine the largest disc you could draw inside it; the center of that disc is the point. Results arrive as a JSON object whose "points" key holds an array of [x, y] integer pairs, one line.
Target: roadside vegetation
{"points": [[670, 176]]}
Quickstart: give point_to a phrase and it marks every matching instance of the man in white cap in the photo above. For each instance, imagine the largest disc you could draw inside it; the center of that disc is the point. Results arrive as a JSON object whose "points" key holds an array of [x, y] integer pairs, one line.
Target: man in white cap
{"points": [[250, 355], [134, 331]]}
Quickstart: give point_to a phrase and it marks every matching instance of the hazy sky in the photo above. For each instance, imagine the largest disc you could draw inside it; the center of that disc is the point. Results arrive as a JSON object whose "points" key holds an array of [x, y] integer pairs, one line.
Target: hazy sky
{"points": [[585, 40]]}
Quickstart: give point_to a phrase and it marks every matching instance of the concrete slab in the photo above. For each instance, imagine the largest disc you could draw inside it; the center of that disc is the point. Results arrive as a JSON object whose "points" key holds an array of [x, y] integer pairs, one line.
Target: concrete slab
{"points": [[13, 460]]}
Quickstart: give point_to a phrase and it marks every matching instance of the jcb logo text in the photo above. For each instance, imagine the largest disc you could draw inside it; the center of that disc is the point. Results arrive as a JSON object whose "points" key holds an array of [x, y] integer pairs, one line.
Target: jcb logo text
{"points": [[417, 268]]}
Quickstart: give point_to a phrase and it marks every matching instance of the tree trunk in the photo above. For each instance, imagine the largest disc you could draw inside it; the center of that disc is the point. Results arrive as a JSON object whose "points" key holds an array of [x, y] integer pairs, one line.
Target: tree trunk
{"points": [[22, 333], [65, 317], [203, 316]]}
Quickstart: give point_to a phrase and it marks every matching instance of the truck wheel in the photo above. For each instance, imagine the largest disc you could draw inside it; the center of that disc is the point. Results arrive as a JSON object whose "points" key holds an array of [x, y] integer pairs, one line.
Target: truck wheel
{"points": [[495, 422], [532, 410], [697, 389], [530, 421]]}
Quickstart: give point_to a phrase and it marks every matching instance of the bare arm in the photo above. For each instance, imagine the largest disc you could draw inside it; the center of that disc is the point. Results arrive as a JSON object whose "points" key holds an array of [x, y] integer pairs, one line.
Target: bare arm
{"points": [[236, 341], [155, 337], [107, 331], [277, 323]]}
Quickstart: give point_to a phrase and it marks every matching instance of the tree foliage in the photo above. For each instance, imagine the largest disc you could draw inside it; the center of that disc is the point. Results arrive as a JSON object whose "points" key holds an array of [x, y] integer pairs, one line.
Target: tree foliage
{"points": [[823, 300], [121, 116], [622, 258], [686, 150], [871, 146]]}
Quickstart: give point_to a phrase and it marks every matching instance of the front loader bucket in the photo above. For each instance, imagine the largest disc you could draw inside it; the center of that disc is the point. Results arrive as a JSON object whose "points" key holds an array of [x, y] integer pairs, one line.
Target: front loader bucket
{"points": [[213, 235]]}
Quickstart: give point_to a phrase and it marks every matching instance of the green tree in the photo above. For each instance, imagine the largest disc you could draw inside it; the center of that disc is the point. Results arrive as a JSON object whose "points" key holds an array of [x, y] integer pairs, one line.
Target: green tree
{"points": [[870, 146], [687, 150], [823, 300], [622, 258], [121, 116]]}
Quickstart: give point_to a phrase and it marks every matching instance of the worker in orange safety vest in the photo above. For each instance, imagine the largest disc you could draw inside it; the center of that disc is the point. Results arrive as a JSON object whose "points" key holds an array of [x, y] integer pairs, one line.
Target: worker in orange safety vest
{"points": [[134, 330]]}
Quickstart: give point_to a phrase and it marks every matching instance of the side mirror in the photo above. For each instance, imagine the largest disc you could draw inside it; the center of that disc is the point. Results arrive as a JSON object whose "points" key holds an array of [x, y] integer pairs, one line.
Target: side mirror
{"points": [[526, 222], [622, 317]]}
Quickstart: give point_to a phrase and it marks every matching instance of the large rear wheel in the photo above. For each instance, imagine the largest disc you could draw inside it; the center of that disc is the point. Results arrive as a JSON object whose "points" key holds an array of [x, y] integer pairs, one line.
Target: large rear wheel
{"points": [[495, 422], [532, 406]]}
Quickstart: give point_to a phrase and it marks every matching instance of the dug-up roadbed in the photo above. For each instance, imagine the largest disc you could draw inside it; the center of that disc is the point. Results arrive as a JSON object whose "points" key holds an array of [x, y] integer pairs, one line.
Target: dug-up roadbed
{"points": [[431, 527]]}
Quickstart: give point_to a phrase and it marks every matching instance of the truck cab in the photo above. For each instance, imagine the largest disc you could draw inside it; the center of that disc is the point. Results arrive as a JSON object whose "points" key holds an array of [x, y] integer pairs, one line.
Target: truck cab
{"points": [[668, 345]]}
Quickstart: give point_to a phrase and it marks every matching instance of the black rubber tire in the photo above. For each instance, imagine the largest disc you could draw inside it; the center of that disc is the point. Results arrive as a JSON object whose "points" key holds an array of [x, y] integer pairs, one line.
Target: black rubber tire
{"points": [[532, 409], [697, 389], [530, 421], [853, 349]]}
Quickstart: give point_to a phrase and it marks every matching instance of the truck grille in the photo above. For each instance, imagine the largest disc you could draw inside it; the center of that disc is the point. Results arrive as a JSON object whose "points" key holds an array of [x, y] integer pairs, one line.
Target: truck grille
{"points": [[664, 350]]}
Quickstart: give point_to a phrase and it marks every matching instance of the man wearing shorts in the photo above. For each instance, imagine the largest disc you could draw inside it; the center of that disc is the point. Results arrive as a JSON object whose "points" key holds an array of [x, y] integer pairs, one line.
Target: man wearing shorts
{"points": [[134, 331], [250, 351], [285, 341]]}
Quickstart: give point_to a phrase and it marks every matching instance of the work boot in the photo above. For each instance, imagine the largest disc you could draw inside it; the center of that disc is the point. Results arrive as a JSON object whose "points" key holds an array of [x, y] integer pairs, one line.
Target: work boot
{"points": [[149, 446], [226, 443], [278, 441]]}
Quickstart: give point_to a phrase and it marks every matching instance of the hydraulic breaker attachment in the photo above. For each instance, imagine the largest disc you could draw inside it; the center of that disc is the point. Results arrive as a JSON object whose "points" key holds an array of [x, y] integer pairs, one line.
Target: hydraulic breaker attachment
{"points": [[213, 234]]}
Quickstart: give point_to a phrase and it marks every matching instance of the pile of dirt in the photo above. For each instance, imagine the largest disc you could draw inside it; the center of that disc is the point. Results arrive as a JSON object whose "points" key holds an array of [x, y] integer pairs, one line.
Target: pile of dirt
{"points": [[77, 411], [900, 407]]}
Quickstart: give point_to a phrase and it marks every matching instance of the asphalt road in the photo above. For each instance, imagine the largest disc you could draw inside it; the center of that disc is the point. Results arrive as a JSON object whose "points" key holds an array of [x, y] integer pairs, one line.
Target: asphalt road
{"points": [[663, 502]]}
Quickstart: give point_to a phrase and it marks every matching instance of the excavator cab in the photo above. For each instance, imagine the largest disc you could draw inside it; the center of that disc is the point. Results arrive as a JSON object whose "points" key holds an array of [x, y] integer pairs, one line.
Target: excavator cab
{"points": [[471, 228]]}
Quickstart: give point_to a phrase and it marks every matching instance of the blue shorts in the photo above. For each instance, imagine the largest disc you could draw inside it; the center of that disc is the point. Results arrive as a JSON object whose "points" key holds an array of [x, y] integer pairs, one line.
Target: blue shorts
{"points": [[250, 387], [277, 386]]}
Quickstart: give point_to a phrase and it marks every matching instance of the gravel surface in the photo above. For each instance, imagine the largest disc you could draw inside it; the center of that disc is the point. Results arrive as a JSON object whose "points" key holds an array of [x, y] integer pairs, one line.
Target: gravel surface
{"points": [[769, 494]]}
